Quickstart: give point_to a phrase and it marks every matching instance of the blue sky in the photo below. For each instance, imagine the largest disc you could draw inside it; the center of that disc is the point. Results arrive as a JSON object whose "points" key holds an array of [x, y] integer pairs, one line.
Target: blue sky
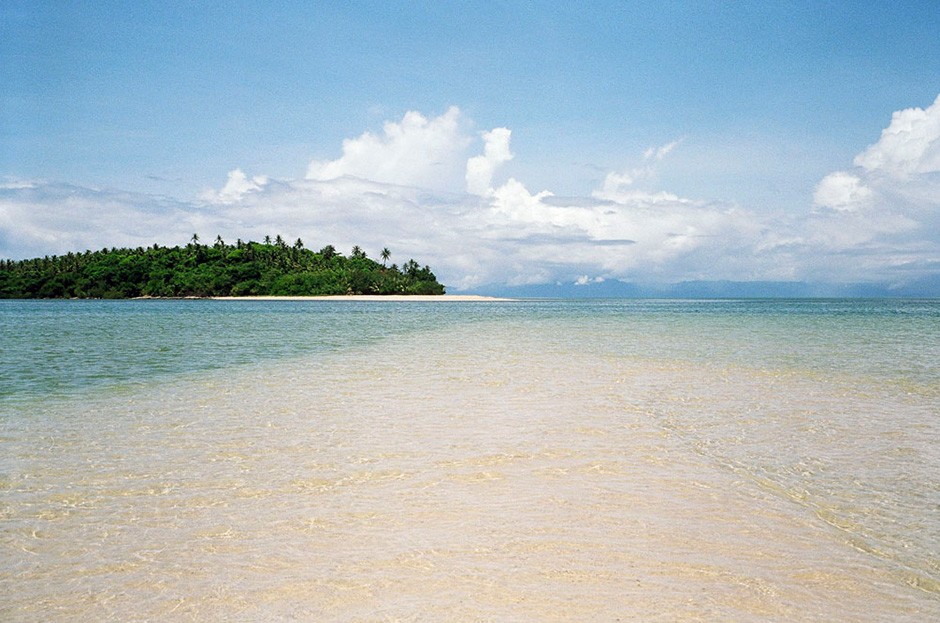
{"points": [[675, 140]]}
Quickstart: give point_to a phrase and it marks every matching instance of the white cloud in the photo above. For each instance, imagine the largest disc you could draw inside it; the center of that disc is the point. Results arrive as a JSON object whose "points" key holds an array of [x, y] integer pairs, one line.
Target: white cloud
{"points": [[615, 185], [909, 146], [13, 184], [237, 186], [658, 153], [884, 221], [42, 218], [841, 191], [480, 169], [417, 151], [618, 186], [903, 169], [514, 201]]}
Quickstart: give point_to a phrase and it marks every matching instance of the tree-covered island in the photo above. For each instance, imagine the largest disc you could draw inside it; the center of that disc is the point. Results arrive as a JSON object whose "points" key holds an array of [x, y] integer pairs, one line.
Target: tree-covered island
{"points": [[269, 268]]}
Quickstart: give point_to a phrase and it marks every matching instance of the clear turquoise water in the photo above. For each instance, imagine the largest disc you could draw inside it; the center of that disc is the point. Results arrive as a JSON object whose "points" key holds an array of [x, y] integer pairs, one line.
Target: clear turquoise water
{"points": [[58, 348], [799, 439]]}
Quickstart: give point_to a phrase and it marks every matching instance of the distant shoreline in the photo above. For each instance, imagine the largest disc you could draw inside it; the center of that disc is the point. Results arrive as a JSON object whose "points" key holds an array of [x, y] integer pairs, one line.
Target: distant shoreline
{"points": [[396, 298]]}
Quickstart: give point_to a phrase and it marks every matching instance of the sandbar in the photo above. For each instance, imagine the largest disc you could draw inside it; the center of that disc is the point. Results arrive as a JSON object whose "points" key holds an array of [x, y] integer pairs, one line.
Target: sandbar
{"points": [[435, 298]]}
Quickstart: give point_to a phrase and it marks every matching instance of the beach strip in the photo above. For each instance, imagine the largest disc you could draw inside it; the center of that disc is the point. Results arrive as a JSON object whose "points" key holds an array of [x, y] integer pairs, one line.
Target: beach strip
{"points": [[397, 298]]}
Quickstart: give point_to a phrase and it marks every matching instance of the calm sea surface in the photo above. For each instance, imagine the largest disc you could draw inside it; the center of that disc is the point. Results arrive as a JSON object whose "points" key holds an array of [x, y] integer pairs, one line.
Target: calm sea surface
{"points": [[519, 461]]}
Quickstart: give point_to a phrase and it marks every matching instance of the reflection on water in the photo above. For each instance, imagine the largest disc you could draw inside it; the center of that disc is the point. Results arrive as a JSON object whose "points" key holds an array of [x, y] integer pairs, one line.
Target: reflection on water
{"points": [[510, 470]]}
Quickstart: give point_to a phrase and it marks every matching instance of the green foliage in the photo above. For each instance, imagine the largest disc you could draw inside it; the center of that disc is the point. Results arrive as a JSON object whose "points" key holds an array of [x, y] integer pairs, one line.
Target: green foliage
{"points": [[243, 269]]}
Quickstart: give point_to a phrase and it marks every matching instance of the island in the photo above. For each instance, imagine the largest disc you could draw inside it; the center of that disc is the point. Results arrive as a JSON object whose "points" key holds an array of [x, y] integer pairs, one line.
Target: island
{"points": [[268, 268]]}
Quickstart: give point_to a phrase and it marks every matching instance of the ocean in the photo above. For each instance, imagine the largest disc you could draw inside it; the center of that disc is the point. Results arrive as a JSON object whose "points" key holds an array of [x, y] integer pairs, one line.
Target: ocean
{"points": [[602, 460]]}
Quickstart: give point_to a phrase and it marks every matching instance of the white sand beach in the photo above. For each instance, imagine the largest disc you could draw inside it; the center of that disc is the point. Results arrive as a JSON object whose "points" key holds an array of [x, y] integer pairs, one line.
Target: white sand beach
{"points": [[443, 298]]}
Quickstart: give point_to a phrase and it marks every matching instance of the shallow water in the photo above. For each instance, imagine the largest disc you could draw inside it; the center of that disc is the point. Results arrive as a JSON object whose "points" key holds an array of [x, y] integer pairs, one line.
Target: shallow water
{"points": [[605, 460]]}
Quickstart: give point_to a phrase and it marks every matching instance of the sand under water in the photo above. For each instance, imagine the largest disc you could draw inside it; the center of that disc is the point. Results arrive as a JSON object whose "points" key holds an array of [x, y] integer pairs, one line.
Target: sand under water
{"points": [[531, 466]]}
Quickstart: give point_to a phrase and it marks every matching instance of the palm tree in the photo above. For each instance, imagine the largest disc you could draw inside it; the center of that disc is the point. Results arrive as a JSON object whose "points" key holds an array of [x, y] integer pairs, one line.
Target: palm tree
{"points": [[385, 255], [196, 249]]}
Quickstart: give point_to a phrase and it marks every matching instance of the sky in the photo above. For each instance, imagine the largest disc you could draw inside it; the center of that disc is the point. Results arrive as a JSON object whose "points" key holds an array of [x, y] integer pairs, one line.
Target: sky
{"points": [[501, 143]]}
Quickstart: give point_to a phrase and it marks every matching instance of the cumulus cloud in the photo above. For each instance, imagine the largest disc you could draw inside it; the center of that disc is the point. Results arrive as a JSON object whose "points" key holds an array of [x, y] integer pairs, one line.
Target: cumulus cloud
{"points": [[620, 232], [237, 186], [480, 169], [416, 151], [841, 191], [881, 219], [615, 185], [425, 188], [909, 146]]}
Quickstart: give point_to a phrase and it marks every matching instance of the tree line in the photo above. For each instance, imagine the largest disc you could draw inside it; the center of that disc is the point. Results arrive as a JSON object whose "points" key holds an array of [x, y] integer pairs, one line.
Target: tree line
{"points": [[268, 268]]}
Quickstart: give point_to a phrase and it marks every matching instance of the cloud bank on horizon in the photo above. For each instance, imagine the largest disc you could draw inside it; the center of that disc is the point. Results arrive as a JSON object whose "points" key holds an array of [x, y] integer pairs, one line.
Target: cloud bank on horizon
{"points": [[430, 187]]}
